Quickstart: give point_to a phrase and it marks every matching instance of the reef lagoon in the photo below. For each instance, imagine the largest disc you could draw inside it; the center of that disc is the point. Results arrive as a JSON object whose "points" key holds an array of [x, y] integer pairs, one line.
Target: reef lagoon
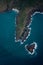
{"points": [[14, 53]]}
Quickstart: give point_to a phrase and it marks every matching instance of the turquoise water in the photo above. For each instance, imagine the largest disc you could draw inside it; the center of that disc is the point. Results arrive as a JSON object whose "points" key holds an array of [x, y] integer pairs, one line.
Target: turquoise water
{"points": [[9, 49]]}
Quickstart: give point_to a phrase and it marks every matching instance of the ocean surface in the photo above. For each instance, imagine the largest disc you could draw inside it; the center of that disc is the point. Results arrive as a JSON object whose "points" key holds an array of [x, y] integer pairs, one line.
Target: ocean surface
{"points": [[13, 53]]}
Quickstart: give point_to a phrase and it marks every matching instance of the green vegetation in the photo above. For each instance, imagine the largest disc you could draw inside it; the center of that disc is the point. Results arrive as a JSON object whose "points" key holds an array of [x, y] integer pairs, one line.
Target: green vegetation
{"points": [[21, 24], [22, 5], [23, 15]]}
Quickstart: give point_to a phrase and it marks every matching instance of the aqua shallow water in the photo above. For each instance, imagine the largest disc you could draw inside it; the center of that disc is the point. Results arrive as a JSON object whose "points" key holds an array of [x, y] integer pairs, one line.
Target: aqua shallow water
{"points": [[12, 52]]}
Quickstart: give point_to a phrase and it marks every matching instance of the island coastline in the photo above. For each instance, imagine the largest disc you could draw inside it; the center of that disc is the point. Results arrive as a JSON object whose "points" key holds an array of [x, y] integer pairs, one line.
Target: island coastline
{"points": [[30, 15], [23, 18], [34, 49]]}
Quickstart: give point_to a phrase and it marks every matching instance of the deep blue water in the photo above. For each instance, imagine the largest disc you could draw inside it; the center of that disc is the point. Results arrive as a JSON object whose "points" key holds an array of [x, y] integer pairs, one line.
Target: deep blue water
{"points": [[13, 53]]}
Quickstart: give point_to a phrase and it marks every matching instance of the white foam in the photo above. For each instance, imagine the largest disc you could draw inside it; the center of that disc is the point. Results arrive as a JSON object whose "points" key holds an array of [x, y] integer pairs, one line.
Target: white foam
{"points": [[21, 42], [16, 10], [28, 35], [35, 44], [36, 13], [17, 40], [41, 12], [32, 52]]}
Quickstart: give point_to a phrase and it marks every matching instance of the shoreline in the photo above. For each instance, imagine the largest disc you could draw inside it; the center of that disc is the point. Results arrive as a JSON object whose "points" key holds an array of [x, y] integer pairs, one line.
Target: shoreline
{"points": [[28, 26], [26, 30], [15, 10], [33, 49]]}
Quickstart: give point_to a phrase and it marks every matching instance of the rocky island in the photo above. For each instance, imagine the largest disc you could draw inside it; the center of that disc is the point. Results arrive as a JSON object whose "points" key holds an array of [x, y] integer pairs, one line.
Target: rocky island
{"points": [[23, 20], [31, 48]]}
